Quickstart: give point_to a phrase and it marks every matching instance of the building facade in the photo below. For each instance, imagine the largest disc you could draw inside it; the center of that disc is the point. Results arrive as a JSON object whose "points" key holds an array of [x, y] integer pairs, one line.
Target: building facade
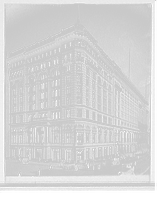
{"points": [[67, 103], [7, 109]]}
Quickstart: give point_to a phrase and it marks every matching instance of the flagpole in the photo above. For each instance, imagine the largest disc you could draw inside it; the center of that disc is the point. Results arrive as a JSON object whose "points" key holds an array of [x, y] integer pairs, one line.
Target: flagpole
{"points": [[78, 21], [129, 65]]}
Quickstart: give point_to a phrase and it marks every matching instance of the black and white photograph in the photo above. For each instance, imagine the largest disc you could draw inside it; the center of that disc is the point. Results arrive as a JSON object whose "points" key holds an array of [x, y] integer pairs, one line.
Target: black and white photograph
{"points": [[78, 94]]}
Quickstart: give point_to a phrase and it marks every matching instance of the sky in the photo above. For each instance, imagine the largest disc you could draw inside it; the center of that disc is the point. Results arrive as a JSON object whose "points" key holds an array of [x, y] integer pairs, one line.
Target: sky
{"points": [[118, 29]]}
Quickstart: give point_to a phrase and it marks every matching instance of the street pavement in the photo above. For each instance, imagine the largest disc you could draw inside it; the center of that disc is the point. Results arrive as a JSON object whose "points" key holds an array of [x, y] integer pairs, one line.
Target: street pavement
{"points": [[12, 168]]}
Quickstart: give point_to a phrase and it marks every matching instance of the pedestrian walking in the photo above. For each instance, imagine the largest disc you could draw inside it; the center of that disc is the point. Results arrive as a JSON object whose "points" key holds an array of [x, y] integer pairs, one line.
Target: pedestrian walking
{"points": [[50, 168], [39, 172]]}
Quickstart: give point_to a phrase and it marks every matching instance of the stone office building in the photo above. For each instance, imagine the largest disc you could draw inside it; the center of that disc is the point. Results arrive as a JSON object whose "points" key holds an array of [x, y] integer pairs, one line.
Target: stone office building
{"points": [[67, 103]]}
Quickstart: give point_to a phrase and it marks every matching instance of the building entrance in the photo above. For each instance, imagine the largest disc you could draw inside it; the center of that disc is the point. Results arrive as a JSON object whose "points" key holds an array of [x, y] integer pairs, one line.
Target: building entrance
{"points": [[56, 155], [39, 154]]}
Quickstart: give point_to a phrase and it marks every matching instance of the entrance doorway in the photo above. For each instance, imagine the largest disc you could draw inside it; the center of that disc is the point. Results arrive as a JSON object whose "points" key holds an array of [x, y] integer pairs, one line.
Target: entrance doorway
{"points": [[79, 156], [56, 155], [39, 154]]}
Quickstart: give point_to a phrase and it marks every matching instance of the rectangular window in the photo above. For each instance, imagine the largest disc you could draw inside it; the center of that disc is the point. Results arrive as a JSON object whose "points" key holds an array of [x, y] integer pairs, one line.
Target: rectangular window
{"points": [[93, 104], [105, 152], [68, 155], [14, 138], [21, 99], [79, 100], [14, 119], [68, 100], [93, 95], [21, 118], [14, 108], [87, 102], [42, 138], [78, 67], [87, 91], [87, 154], [87, 137], [93, 116], [68, 137], [109, 138], [79, 78], [79, 112], [87, 114], [30, 138], [104, 137], [14, 92], [68, 80], [21, 138], [79, 89], [56, 138], [93, 83], [69, 90], [68, 113], [68, 68], [87, 80], [99, 150], [56, 115], [99, 138], [21, 90], [93, 137], [14, 100], [79, 137]]}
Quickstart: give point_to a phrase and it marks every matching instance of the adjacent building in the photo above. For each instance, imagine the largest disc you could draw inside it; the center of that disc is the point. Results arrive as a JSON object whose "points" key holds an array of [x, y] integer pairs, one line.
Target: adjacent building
{"points": [[68, 103]]}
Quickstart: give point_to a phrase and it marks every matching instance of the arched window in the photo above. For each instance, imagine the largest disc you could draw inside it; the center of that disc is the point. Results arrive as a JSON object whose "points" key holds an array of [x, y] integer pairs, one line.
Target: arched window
{"points": [[56, 92], [32, 93], [43, 91]]}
